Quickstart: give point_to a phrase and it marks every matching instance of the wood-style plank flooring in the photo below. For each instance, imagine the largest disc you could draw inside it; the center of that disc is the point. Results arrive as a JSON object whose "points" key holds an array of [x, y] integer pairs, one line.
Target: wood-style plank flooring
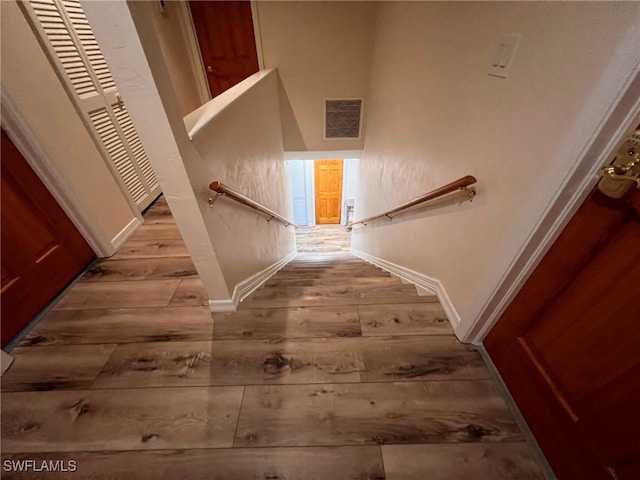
{"points": [[332, 370]]}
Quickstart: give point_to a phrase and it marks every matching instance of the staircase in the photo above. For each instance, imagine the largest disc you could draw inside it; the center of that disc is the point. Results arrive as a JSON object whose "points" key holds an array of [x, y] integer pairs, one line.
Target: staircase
{"points": [[332, 279], [333, 369]]}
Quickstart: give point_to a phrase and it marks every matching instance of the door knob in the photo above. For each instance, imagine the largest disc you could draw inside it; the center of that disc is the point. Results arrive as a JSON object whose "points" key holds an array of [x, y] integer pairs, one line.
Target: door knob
{"points": [[210, 69]]}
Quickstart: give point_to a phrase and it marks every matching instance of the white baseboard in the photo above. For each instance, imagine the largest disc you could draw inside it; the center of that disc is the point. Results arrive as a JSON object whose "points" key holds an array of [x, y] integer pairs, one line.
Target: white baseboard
{"points": [[222, 306], [125, 233], [249, 285], [425, 284]]}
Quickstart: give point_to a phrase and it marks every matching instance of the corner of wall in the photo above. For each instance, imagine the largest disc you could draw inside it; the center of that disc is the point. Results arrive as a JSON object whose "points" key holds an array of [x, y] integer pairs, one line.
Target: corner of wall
{"points": [[424, 284], [249, 285]]}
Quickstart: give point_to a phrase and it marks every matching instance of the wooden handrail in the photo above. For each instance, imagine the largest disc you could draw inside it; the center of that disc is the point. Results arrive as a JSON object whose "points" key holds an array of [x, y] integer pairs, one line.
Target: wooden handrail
{"points": [[222, 189], [460, 184]]}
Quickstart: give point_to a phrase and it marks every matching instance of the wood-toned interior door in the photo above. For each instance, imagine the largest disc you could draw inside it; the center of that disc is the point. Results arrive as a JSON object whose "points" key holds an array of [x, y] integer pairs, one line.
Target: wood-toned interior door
{"points": [[568, 346], [328, 184], [226, 40], [41, 248]]}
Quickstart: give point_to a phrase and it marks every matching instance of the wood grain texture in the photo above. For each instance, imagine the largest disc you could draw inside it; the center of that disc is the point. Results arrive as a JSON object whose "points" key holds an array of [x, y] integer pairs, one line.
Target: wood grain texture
{"points": [[156, 231], [165, 402], [408, 319], [321, 360], [346, 291], [57, 367], [95, 295], [158, 214], [137, 419], [352, 269], [504, 461], [122, 325], [318, 463], [418, 358], [325, 282], [168, 247], [335, 301], [231, 362], [370, 413], [335, 276], [190, 292], [287, 323], [323, 238], [141, 269]]}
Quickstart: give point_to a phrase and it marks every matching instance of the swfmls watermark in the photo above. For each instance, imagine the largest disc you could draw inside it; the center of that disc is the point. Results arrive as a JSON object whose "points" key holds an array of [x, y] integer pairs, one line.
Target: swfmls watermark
{"points": [[32, 465]]}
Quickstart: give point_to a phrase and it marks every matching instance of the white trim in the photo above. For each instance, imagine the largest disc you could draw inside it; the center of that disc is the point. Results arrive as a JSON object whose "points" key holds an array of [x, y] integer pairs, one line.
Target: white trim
{"points": [[197, 120], [125, 233], [25, 140], [222, 306], [424, 283], [195, 57], [623, 116], [5, 361], [249, 285], [323, 155], [310, 191], [255, 17]]}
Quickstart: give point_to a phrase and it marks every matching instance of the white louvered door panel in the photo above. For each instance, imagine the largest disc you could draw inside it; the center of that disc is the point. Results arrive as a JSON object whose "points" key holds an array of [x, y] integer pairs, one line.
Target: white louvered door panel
{"points": [[66, 34]]}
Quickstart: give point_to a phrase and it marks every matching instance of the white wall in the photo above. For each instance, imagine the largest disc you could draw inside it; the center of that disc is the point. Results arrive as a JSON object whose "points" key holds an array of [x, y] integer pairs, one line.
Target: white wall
{"points": [[175, 50], [43, 105], [435, 115], [242, 148], [321, 50]]}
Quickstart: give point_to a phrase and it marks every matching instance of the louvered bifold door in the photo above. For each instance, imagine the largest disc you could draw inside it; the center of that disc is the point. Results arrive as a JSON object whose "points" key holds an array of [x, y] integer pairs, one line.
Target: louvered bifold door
{"points": [[66, 35]]}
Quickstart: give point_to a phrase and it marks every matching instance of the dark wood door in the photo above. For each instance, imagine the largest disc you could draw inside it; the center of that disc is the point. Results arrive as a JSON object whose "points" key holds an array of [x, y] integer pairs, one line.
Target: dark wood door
{"points": [[227, 42], [568, 346], [328, 184], [41, 249]]}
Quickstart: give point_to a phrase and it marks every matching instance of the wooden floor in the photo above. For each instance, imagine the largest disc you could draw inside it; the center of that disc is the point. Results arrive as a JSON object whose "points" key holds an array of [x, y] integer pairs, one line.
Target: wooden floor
{"points": [[323, 238], [333, 370]]}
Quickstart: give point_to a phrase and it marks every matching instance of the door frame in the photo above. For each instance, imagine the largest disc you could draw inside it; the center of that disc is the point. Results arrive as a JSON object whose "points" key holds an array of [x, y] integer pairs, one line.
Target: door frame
{"points": [[308, 157], [195, 56], [622, 117], [36, 156]]}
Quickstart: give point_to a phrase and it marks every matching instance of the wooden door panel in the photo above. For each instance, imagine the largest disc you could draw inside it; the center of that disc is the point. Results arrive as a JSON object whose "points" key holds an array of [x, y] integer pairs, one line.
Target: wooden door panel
{"points": [[328, 185], [227, 42], [577, 332], [41, 249], [567, 346]]}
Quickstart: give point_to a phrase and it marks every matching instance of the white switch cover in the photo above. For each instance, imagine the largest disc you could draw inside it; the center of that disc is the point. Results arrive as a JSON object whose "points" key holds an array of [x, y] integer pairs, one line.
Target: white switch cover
{"points": [[503, 54]]}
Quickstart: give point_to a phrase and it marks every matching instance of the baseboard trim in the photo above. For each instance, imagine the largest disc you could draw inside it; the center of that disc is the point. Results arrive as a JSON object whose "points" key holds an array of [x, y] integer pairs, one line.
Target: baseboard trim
{"points": [[520, 420], [222, 306], [424, 283], [249, 285], [125, 233]]}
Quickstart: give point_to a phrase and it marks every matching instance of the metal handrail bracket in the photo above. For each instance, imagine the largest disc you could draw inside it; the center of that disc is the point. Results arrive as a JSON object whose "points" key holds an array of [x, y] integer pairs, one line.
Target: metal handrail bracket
{"points": [[223, 190], [462, 184]]}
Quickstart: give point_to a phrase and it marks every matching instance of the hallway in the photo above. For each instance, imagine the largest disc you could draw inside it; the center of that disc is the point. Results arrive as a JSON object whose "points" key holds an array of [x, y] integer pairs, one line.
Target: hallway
{"points": [[332, 370]]}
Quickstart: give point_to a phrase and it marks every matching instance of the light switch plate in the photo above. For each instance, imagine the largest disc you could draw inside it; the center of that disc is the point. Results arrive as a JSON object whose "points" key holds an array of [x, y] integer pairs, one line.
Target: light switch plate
{"points": [[504, 51]]}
